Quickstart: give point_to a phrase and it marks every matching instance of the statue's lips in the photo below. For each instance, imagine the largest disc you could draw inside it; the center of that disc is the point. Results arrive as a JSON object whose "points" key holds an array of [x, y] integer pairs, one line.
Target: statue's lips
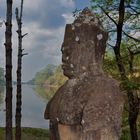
{"points": [[67, 70], [65, 66]]}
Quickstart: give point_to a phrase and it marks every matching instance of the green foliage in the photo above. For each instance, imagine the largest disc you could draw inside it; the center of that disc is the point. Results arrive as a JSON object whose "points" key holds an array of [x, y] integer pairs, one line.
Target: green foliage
{"points": [[50, 84], [44, 74], [55, 81], [37, 132], [130, 85], [111, 69], [125, 135], [29, 134], [57, 78], [108, 12], [110, 66], [40, 92]]}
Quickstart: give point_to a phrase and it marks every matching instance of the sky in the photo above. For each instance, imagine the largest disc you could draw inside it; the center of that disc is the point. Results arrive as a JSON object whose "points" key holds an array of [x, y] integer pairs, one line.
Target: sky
{"points": [[44, 21]]}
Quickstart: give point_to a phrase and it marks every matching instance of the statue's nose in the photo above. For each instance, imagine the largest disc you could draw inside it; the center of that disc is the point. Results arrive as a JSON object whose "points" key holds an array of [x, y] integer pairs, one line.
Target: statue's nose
{"points": [[65, 58]]}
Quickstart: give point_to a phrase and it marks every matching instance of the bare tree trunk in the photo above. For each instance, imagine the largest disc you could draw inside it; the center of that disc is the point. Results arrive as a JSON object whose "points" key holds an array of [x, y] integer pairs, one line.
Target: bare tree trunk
{"points": [[8, 51], [118, 42], [19, 68], [133, 114], [19, 87], [133, 102]]}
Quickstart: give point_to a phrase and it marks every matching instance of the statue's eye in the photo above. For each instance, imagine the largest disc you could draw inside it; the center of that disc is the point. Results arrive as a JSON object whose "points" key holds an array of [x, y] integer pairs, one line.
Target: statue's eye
{"points": [[65, 50]]}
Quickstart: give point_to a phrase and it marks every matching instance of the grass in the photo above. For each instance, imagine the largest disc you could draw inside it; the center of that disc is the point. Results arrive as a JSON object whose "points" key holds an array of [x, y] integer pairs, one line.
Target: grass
{"points": [[125, 135], [42, 134], [29, 134]]}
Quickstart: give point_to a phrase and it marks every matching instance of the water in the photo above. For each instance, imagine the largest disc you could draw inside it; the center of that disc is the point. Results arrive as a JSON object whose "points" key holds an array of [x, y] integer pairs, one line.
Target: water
{"points": [[33, 108]]}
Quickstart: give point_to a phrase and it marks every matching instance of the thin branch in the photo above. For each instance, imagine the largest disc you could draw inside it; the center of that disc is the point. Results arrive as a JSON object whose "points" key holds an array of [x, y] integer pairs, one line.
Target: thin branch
{"points": [[130, 16], [130, 51], [133, 28], [134, 10], [24, 35], [108, 15], [135, 39], [110, 45], [17, 31], [24, 54], [134, 6], [113, 30], [137, 52]]}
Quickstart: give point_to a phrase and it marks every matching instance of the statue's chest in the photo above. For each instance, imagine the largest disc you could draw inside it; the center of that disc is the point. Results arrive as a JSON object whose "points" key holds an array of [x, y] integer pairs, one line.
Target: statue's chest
{"points": [[71, 104]]}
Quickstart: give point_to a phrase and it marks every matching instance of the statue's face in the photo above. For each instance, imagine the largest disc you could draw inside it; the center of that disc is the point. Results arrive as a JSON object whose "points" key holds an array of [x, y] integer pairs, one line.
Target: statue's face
{"points": [[69, 60], [76, 58], [82, 50]]}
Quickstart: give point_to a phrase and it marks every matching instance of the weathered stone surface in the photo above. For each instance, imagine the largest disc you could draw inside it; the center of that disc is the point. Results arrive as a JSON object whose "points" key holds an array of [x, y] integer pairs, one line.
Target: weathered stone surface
{"points": [[89, 105]]}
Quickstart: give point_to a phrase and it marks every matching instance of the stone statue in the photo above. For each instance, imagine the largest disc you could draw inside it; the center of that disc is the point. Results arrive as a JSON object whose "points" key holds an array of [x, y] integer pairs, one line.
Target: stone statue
{"points": [[89, 104]]}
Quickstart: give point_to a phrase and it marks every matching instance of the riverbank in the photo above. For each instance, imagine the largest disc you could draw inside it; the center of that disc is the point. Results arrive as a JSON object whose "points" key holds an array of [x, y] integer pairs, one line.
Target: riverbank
{"points": [[29, 134], [43, 134]]}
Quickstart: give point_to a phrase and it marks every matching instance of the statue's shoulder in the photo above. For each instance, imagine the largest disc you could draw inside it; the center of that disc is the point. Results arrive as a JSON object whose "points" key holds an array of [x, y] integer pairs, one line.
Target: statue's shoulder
{"points": [[103, 86], [109, 82], [54, 101]]}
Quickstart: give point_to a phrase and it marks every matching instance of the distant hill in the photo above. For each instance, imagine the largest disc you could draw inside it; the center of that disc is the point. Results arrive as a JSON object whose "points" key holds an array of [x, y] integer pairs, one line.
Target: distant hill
{"points": [[44, 74], [30, 82], [48, 80]]}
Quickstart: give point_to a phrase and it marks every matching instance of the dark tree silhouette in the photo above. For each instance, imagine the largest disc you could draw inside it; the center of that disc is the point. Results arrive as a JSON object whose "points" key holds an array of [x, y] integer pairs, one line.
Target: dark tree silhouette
{"points": [[8, 53], [19, 73], [125, 19]]}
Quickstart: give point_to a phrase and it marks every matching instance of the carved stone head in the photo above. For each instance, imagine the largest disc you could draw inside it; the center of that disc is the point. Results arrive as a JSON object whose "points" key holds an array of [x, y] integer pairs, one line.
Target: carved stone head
{"points": [[84, 45]]}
